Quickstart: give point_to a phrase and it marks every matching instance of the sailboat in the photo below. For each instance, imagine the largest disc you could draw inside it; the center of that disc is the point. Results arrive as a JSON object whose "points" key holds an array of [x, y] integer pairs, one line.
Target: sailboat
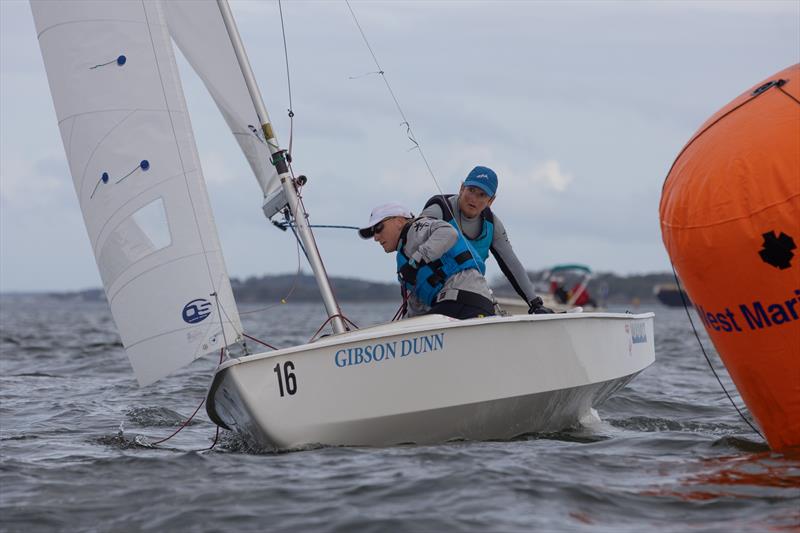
{"points": [[134, 163]]}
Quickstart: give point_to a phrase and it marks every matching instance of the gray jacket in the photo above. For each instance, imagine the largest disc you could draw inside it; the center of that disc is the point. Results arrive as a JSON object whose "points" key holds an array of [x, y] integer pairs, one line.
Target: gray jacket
{"points": [[501, 247], [427, 240]]}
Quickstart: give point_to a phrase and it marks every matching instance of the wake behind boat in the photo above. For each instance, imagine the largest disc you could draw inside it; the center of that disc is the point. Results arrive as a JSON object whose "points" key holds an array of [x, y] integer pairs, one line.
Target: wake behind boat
{"points": [[432, 379]]}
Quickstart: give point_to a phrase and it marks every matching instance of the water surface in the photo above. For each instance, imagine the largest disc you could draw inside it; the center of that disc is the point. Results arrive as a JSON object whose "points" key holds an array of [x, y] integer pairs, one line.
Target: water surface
{"points": [[669, 453]]}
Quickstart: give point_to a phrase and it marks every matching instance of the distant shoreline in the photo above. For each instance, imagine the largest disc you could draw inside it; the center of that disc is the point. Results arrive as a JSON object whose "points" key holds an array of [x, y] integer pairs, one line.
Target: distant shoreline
{"points": [[607, 287]]}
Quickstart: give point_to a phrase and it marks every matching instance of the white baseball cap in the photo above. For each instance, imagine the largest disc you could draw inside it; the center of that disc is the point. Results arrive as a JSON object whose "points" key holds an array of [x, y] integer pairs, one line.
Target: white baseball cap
{"points": [[381, 213]]}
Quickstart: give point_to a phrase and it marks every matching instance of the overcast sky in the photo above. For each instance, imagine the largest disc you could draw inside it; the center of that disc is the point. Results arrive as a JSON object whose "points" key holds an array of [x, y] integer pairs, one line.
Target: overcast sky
{"points": [[580, 107]]}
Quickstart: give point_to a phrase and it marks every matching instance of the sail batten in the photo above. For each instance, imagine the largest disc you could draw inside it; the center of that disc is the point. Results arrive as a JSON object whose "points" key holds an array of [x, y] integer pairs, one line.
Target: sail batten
{"points": [[137, 175]]}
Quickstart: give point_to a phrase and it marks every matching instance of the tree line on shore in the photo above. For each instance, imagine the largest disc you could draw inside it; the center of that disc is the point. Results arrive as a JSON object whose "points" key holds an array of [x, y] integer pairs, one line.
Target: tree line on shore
{"points": [[607, 288]]}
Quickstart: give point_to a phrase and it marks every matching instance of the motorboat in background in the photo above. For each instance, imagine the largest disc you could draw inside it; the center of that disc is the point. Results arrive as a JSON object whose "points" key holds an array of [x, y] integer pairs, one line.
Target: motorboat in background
{"points": [[563, 288], [671, 295]]}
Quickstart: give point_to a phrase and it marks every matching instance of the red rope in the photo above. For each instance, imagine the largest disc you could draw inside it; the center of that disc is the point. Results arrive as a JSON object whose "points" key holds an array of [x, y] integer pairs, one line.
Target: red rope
{"points": [[182, 425], [401, 312], [347, 321], [314, 336], [259, 341], [186, 422]]}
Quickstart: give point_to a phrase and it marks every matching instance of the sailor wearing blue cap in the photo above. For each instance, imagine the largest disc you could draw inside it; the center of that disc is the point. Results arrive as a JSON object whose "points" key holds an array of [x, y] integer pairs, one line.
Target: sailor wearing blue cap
{"points": [[439, 272], [470, 211]]}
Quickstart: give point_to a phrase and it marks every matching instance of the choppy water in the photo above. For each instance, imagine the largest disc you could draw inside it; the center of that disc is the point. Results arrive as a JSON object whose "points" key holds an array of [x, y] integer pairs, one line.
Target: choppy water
{"points": [[670, 454]]}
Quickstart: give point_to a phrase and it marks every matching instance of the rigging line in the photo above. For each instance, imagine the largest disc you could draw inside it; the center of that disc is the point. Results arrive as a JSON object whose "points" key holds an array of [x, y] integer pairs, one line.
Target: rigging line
{"points": [[708, 360], [781, 89], [287, 213], [220, 311], [216, 438], [364, 75], [297, 237], [260, 341], [403, 309], [229, 321], [410, 132], [186, 422], [291, 290], [304, 213], [288, 80], [339, 313], [285, 225], [298, 272], [183, 425], [330, 318], [405, 122]]}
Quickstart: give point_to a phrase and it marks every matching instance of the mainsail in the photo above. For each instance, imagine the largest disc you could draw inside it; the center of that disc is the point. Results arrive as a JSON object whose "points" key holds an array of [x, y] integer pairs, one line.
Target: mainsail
{"points": [[198, 30], [134, 163]]}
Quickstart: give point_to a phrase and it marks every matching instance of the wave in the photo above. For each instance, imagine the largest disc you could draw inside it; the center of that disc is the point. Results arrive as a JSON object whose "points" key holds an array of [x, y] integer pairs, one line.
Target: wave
{"points": [[156, 417]]}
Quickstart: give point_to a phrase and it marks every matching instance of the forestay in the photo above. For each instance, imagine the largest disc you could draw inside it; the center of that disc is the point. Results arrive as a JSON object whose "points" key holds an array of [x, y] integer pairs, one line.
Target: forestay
{"points": [[134, 163], [200, 33]]}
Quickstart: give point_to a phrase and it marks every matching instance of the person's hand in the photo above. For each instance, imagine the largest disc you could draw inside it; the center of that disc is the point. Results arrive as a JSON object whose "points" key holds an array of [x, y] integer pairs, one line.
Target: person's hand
{"points": [[408, 272], [537, 307]]}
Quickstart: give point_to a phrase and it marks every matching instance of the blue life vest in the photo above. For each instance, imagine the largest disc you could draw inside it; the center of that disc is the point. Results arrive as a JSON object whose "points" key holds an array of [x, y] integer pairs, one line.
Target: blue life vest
{"points": [[483, 243], [431, 276]]}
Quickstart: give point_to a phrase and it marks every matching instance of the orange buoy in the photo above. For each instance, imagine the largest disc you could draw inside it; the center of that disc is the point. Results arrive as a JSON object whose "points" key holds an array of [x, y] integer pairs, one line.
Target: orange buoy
{"points": [[730, 220]]}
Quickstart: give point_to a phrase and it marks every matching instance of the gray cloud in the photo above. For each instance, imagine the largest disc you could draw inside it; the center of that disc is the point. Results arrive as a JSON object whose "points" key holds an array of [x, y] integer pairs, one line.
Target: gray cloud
{"points": [[609, 91]]}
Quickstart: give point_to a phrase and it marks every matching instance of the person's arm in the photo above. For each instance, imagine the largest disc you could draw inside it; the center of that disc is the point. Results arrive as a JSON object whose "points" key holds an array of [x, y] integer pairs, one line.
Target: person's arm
{"points": [[431, 238], [509, 262], [427, 240]]}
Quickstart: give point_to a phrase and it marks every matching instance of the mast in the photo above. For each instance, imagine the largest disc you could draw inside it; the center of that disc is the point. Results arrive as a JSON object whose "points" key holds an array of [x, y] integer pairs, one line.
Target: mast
{"points": [[282, 167]]}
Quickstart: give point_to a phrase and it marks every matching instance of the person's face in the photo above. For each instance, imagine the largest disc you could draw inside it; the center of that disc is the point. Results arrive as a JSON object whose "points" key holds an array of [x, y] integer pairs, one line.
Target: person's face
{"points": [[387, 233], [473, 200]]}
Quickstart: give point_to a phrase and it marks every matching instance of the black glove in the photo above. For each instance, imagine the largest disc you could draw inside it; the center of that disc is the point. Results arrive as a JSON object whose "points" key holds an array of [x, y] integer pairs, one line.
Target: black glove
{"points": [[538, 308], [408, 273]]}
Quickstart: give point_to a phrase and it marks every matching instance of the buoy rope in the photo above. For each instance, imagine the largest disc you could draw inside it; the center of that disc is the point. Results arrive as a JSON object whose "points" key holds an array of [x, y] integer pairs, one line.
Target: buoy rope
{"points": [[708, 359]]}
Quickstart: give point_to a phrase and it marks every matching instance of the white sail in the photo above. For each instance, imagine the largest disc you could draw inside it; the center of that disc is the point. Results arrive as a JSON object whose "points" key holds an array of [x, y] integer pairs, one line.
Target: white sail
{"points": [[134, 163], [200, 33]]}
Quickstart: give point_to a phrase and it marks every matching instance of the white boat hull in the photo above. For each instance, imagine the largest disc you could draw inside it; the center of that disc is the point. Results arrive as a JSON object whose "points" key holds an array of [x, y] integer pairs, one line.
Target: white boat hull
{"points": [[432, 379]]}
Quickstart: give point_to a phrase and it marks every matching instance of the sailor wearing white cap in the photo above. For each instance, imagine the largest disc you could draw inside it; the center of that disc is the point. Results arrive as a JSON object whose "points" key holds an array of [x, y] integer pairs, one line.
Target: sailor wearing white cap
{"points": [[439, 272]]}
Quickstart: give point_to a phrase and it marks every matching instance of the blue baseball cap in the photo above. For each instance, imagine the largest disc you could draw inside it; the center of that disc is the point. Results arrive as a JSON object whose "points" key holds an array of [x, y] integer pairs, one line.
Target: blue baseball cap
{"points": [[484, 178]]}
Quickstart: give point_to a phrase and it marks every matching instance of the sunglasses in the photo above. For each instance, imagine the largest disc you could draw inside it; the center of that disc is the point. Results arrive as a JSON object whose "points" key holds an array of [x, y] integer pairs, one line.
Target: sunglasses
{"points": [[379, 227]]}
